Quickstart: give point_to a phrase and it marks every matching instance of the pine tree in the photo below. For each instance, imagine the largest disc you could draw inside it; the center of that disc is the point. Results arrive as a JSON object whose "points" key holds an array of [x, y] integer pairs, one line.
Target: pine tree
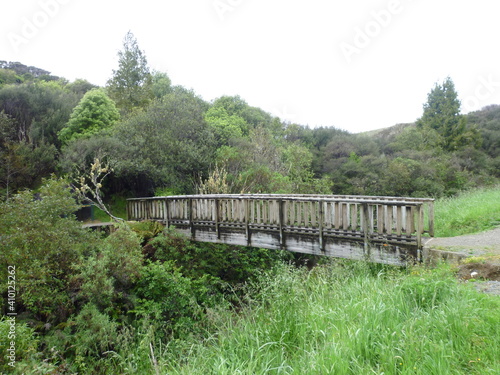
{"points": [[442, 119], [130, 86]]}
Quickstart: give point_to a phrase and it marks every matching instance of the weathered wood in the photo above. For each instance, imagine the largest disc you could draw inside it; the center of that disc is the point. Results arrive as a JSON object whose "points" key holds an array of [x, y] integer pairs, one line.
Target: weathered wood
{"points": [[318, 220], [320, 225], [281, 219]]}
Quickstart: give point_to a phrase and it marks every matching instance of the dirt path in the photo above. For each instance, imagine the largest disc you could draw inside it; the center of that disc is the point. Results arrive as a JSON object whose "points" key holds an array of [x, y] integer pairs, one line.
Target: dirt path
{"points": [[479, 244], [485, 246]]}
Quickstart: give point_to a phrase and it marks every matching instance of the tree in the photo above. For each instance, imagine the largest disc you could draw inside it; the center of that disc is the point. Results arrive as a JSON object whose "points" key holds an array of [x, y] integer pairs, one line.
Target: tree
{"points": [[39, 109], [161, 84], [225, 126], [442, 114], [130, 86], [167, 145], [95, 112]]}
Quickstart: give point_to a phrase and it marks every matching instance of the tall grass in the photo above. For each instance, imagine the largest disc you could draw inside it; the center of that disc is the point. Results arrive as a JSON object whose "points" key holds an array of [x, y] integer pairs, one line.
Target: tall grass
{"points": [[347, 318], [470, 212]]}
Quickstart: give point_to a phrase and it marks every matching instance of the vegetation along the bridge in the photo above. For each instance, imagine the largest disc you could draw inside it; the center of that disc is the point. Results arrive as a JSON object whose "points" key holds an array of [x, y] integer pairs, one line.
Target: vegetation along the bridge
{"points": [[145, 299]]}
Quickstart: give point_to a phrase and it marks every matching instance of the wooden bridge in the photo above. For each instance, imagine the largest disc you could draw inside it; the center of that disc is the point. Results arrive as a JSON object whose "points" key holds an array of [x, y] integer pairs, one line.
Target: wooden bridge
{"points": [[387, 230]]}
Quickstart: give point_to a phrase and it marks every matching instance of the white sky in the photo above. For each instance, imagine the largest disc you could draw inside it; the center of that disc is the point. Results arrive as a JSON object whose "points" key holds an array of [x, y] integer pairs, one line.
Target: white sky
{"points": [[356, 65]]}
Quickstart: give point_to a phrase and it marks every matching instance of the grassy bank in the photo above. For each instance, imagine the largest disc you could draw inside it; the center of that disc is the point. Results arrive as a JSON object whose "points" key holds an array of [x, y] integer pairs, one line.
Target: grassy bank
{"points": [[346, 318], [470, 212]]}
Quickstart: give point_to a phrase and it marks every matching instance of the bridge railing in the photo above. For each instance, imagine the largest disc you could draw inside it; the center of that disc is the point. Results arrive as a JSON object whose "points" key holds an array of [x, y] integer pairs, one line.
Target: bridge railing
{"points": [[363, 218]]}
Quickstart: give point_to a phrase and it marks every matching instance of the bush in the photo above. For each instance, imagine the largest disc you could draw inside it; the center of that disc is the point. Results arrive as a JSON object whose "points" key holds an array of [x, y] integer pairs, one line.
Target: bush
{"points": [[42, 239], [166, 296], [232, 264], [107, 276], [25, 343]]}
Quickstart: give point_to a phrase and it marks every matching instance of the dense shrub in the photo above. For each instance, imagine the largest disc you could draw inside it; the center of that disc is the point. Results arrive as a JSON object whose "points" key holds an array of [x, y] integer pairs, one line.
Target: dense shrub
{"points": [[233, 264], [42, 239]]}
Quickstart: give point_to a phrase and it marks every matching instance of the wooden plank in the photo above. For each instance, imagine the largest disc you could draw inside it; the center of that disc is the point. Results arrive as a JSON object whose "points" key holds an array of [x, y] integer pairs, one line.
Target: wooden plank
{"points": [[265, 212], [298, 211], [420, 226], [292, 212], [380, 219], [246, 204], [257, 213], [217, 219], [281, 221], [365, 224], [388, 225], [167, 213], [233, 211], [320, 225], [345, 216], [312, 214], [431, 218], [336, 215], [328, 215], [191, 217], [399, 220], [409, 221], [354, 218]]}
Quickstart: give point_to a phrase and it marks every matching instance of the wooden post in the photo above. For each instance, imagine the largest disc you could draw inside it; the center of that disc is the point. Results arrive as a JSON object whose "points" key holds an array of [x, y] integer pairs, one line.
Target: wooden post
{"points": [[366, 224], [166, 212], [281, 220], [420, 230], [431, 219], [247, 221], [191, 217], [320, 226], [217, 229]]}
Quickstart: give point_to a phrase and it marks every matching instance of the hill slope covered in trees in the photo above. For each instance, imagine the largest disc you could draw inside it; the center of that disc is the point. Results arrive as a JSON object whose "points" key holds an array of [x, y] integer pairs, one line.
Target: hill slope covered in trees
{"points": [[160, 138]]}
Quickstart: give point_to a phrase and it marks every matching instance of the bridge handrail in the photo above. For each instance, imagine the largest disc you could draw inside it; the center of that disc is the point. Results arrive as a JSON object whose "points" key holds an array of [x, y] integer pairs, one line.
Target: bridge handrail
{"points": [[357, 214]]}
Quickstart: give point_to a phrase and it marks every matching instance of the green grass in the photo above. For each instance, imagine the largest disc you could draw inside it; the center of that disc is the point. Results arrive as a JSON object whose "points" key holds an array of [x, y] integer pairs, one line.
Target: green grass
{"points": [[117, 206], [345, 318], [470, 212]]}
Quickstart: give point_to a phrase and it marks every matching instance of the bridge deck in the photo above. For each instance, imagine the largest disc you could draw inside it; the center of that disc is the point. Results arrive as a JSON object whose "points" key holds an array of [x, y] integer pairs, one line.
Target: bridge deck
{"points": [[381, 229]]}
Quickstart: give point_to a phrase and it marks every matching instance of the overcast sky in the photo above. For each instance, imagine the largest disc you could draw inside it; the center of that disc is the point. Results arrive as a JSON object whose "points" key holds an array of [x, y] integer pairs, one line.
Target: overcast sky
{"points": [[356, 65]]}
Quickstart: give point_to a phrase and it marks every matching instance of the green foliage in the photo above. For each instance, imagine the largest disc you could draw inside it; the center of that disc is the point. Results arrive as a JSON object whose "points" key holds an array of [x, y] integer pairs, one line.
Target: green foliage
{"points": [[471, 211], [130, 86], [95, 113], [232, 264], [41, 237], [88, 339], [24, 339], [40, 110], [167, 145], [161, 84], [24, 166], [165, 295], [146, 230], [225, 126], [488, 122], [106, 277], [442, 114], [8, 77], [344, 319]]}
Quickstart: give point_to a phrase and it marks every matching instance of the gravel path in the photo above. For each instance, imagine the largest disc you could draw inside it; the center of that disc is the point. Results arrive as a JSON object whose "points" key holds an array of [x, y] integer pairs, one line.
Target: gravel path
{"points": [[486, 245], [479, 244]]}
